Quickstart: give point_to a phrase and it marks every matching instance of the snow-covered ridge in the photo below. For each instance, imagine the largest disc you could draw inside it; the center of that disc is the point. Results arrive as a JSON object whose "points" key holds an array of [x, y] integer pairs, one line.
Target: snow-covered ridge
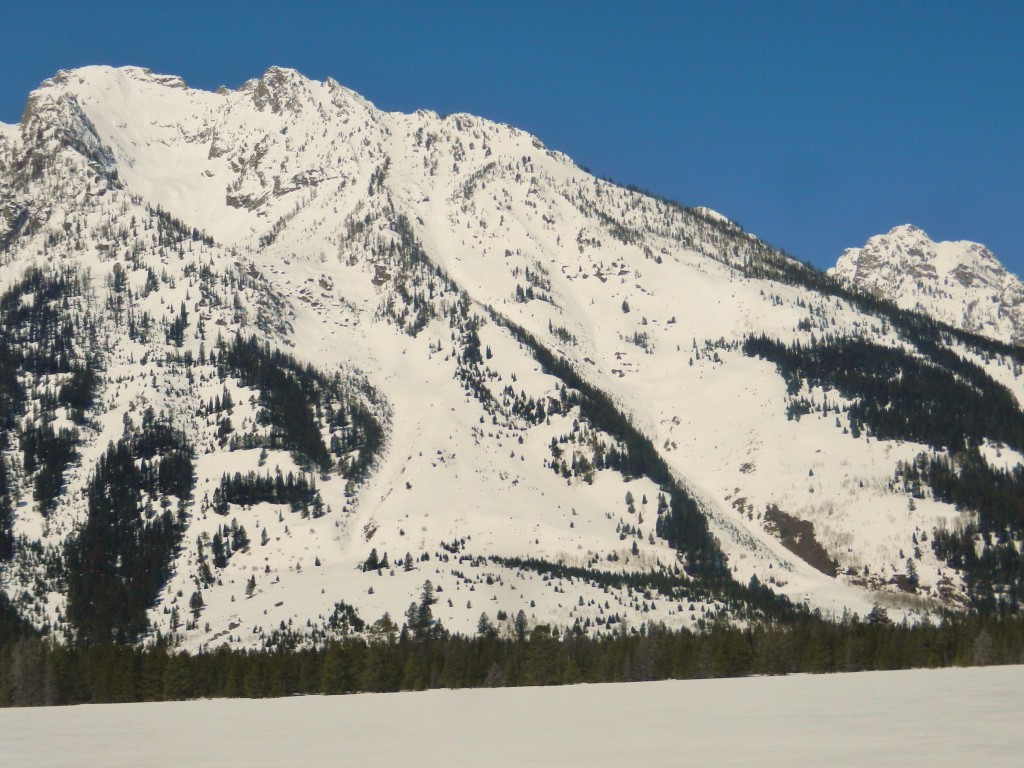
{"points": [[395, 254]]}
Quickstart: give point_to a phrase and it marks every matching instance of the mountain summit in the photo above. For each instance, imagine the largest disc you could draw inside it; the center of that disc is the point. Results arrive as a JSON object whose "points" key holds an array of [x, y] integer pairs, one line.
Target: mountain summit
{"points": [[960, 283], [278, 366]]}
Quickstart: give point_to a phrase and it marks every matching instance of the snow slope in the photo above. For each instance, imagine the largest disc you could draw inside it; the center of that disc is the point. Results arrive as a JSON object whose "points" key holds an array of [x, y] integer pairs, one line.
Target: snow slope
{"points": [[949, 717]]}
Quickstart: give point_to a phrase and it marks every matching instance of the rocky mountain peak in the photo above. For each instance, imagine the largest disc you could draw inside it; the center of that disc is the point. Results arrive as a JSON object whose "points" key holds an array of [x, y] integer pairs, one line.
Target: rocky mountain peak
{"points": [[279, 89], [959, 282]]}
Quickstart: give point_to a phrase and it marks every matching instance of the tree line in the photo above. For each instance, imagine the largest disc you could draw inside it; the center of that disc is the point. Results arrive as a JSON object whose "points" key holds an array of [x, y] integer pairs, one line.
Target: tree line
{"points": [[34, 671], [944, 401]]}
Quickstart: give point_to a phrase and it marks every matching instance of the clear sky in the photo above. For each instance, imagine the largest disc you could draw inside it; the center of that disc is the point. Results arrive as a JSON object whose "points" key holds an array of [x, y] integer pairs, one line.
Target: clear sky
{"points": [[813, 124]]}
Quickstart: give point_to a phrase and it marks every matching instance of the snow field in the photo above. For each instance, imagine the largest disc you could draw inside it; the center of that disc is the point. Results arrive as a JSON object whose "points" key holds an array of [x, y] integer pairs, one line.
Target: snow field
{"points": [[930, 718]]}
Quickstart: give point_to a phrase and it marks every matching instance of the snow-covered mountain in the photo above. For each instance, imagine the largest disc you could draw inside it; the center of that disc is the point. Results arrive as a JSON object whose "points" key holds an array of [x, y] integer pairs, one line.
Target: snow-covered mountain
{"points": [[273, 358], [960, 283]]}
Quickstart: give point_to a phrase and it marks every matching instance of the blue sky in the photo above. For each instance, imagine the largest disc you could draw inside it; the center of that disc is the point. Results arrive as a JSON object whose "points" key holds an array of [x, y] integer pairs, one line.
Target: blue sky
{"points": [[813, 124]]}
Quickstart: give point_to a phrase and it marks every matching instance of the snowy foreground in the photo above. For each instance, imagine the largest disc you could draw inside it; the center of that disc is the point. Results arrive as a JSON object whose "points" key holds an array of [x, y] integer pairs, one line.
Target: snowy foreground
{"points": [[919, 717]]}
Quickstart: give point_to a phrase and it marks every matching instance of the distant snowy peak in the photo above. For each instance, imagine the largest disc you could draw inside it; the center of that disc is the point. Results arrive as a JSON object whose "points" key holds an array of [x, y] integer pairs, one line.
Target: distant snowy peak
{"points": [[908, 252], [961, 283]]}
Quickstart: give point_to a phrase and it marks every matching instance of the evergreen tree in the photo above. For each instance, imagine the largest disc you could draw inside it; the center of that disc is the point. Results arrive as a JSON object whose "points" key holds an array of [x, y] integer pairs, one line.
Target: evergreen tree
{"points": [[520, 626], [424, 626], [485, 628]]}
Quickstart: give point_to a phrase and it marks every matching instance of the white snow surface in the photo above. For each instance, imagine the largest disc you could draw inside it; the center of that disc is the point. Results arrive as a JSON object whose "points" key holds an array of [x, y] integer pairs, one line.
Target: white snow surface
{"points": [[933, 718]]}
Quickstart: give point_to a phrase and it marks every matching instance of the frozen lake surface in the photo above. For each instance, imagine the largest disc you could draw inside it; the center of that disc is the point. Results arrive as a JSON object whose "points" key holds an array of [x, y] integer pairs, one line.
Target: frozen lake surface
{"points": [[951, 717]]}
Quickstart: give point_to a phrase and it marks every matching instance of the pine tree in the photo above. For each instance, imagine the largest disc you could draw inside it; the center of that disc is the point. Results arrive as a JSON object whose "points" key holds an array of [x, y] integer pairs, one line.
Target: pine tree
{"points": [[520, 626], [196, 603], [424, 626], [484, 627]]}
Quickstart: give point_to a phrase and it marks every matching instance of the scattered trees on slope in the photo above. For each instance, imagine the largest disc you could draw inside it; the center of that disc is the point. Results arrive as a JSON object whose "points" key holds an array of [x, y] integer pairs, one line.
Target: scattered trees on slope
{"points": [[295, 398]]}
